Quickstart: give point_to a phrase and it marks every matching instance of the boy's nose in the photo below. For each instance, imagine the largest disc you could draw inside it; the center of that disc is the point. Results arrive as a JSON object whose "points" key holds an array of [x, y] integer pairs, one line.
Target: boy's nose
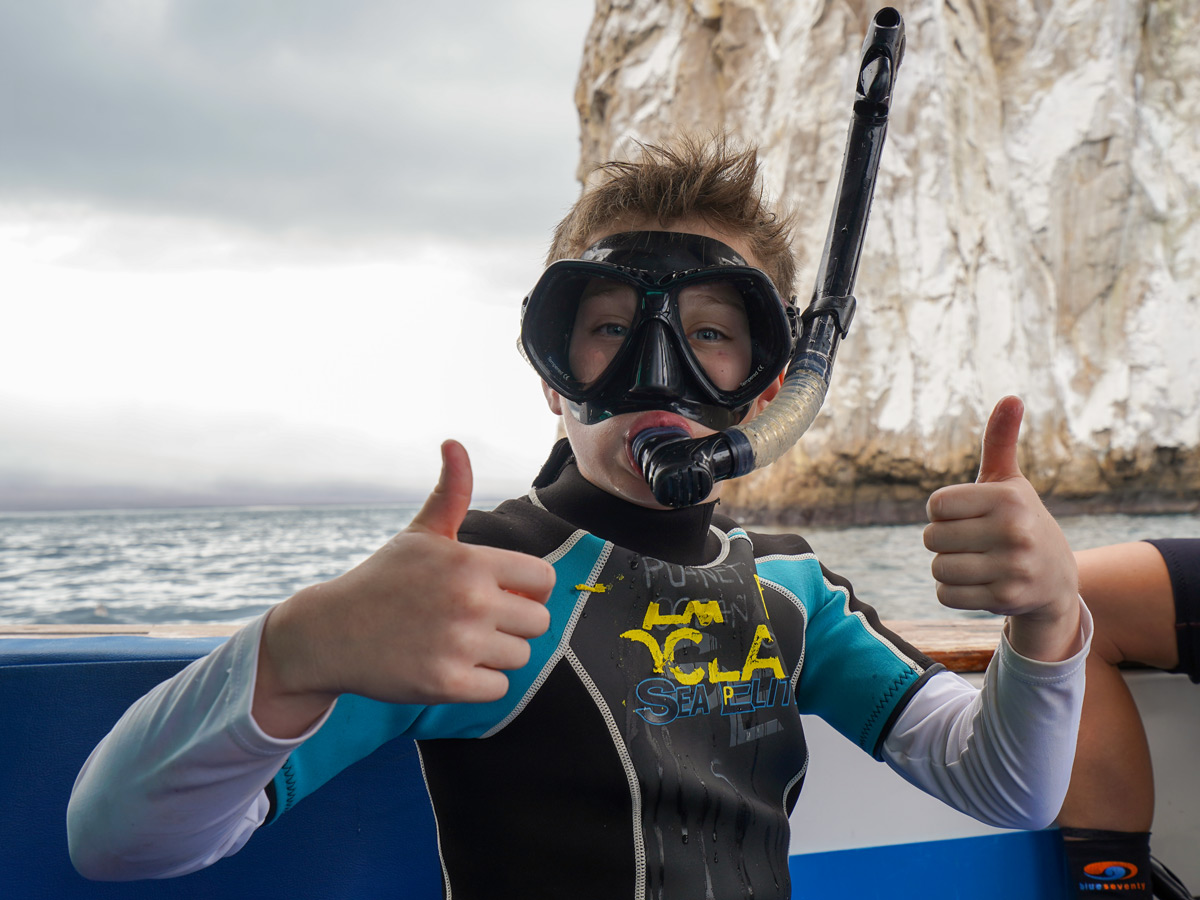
{"points": [[658, 368]]}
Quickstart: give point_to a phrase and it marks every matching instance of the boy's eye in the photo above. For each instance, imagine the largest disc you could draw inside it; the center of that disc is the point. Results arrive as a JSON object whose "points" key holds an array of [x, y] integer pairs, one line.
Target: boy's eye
{"points": [[612, 329], [713, 315], [708, 335]]}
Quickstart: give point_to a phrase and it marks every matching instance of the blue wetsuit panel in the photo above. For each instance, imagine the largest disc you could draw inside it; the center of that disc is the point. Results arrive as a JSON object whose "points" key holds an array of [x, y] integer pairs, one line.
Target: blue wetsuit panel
{"points": [[854, 675]]}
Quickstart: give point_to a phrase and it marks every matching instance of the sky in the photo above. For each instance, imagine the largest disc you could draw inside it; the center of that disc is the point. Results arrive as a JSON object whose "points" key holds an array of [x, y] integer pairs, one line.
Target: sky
{"points": [[273, 251]]}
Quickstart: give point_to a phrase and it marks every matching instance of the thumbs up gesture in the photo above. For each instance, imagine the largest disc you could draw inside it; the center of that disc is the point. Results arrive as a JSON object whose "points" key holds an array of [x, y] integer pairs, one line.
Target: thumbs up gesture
{"points": [[998, 549], [426, 619]]}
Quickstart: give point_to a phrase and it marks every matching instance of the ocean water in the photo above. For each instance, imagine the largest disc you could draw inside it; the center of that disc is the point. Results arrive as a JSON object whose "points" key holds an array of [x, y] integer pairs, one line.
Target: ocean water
{"points": [[230, 564]]}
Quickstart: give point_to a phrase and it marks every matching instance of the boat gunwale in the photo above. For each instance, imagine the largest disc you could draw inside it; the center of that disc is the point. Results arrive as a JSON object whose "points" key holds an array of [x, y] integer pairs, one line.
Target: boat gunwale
{"points": [[961, 645]]}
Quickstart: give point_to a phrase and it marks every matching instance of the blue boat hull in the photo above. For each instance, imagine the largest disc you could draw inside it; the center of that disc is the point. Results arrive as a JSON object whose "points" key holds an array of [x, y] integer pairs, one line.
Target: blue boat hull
{"points": [[58, 697]]}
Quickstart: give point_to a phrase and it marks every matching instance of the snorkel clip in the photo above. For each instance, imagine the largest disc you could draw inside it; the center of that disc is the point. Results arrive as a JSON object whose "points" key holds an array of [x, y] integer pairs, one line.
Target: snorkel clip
{"points": [[841, 308]]}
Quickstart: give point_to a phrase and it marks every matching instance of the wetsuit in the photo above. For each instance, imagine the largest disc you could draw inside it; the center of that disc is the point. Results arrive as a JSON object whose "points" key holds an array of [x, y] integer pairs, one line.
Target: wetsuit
{"points": [[655, 737]]}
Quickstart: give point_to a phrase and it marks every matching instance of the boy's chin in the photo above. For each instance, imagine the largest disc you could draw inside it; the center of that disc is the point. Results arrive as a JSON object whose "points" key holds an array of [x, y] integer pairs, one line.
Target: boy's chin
{"points": [[619, 481], [642, 496]]}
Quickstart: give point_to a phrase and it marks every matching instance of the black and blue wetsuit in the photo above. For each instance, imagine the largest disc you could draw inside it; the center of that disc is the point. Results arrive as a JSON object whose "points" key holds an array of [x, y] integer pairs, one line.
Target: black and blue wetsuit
{"points": [[653, 744]]}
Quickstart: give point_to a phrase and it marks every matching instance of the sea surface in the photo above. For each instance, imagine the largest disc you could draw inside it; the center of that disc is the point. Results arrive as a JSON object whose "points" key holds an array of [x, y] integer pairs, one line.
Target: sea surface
{"points": [[230, 564]]}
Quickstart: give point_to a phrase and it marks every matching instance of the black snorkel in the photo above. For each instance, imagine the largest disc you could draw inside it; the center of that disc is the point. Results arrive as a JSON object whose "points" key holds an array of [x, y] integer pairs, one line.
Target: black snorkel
{"points": [[682, 471]]}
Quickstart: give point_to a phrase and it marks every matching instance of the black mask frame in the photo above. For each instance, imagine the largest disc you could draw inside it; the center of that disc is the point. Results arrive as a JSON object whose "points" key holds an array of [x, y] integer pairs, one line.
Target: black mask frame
{"points": [[655, 368]]}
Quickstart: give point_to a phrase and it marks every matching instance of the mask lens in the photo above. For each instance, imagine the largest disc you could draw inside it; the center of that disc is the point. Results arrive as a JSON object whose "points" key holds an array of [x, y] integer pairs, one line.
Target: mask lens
{"points": [[709, 316], [576, 320], [713, 319], [603, 323]]}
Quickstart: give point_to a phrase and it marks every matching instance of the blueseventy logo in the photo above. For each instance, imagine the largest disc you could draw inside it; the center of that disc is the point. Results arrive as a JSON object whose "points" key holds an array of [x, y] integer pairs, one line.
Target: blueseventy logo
{"points": [[1110, 871], [1111, 875]]}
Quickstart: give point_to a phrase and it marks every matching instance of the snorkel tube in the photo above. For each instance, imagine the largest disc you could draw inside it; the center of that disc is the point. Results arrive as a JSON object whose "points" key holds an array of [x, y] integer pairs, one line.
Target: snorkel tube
{"points": [[682, 471]]}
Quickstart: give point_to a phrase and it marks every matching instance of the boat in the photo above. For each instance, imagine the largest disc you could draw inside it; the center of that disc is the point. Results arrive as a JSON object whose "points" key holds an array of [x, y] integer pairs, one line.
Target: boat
{"points": [[858, 831]]}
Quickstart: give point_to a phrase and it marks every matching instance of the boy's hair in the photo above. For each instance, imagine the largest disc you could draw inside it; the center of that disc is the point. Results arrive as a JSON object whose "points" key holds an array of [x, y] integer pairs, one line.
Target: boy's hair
{"points": [[686, 178]]}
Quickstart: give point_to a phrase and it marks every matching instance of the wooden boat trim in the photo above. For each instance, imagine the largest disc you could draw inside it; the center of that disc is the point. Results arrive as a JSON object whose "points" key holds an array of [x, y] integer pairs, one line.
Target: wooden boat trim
{"points": [[961, 645]]}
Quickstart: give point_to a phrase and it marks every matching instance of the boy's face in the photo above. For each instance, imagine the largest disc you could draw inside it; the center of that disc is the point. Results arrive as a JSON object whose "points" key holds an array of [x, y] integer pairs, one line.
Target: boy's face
{"points": [[603, 451]]}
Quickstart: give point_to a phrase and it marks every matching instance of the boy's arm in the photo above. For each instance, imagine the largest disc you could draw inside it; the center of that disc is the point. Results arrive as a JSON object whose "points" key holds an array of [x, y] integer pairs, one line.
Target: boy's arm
{"points": [[999, 550], [1001, 754], [178, 783]]}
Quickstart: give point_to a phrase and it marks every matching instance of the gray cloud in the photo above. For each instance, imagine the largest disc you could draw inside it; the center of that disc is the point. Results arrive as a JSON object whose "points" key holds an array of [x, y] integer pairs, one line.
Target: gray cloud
{"points": [[350, 119]]}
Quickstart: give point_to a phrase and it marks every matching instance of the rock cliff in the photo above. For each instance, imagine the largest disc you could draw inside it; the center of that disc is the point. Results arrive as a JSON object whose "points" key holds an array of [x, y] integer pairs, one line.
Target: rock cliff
{"points": [[1036, 230]]}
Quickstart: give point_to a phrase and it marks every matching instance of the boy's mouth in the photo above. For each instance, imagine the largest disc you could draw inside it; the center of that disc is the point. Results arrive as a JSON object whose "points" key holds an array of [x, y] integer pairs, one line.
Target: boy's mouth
{"points": [[655, 419]]}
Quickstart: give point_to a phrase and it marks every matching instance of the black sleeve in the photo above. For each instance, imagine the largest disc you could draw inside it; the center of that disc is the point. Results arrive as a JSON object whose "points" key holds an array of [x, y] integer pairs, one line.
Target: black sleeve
{"points": [[1182, 556]]}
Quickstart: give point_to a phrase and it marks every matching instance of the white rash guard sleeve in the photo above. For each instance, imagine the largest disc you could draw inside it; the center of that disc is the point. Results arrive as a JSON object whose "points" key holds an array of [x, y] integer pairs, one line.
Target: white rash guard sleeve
{"points": [[1003, 753], [179, 781]]}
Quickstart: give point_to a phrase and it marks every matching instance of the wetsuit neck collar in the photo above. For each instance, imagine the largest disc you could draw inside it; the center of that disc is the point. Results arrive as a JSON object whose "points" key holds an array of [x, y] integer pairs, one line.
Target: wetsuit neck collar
{"points": [[676, 535]]}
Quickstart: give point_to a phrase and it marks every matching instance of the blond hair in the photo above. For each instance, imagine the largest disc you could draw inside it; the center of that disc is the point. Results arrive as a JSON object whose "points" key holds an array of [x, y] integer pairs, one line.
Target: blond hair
{"points": [[686, 178]]}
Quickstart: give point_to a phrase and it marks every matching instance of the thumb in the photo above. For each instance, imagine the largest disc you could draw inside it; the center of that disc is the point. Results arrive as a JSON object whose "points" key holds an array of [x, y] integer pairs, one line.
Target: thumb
{"points": [[446, 507], [999, 458]]}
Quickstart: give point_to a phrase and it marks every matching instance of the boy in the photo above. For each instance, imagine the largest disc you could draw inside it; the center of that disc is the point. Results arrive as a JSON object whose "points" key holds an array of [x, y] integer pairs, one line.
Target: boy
{"points": [[647, 730]]}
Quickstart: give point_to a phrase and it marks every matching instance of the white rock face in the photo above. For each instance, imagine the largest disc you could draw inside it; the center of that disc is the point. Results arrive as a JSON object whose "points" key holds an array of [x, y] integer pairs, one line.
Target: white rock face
{"points": [[1035, 230]]}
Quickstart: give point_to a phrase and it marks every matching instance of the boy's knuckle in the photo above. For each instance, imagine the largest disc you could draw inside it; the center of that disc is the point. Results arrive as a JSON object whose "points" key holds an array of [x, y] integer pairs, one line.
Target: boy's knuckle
{"points": [[468, 602], [1019, 563], [1010, 499], [1010, 591], [438, 677], [1016, 543], [468, 643], [449, 679], [457, 555]]}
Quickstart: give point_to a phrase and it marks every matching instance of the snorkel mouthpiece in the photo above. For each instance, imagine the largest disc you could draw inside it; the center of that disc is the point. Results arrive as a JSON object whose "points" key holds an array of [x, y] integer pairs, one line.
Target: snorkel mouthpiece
{"points": [[682, 472]]}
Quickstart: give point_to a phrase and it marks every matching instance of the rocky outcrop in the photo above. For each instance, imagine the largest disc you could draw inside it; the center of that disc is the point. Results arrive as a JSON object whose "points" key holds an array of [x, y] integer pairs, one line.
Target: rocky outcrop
{"points": [[1036, 230]]}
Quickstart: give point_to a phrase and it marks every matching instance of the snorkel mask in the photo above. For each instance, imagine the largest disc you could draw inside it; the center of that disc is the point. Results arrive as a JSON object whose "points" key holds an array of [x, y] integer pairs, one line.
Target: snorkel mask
{"points": [[658, 320]]}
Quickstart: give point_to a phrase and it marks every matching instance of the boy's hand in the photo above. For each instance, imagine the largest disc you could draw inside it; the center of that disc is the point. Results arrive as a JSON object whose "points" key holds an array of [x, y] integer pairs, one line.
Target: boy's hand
{"points": [[426, 619], [999, 550]]}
